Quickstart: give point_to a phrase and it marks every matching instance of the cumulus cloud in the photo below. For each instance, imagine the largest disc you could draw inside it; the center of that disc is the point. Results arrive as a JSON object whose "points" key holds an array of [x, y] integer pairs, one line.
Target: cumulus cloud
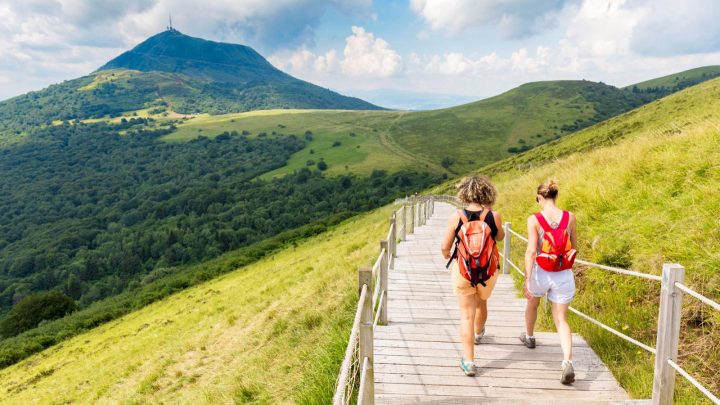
{"points": [[366, 55], [677, 27], [456, 63], [511, 19]]}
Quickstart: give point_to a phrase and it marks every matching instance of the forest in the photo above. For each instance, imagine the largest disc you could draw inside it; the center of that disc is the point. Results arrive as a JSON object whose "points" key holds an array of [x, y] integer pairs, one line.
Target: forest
{"points": [[91, 213]]}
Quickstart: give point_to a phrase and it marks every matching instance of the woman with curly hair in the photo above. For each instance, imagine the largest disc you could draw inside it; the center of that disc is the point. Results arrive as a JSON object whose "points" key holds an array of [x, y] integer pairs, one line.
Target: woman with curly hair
{"points": [[475, 231]]}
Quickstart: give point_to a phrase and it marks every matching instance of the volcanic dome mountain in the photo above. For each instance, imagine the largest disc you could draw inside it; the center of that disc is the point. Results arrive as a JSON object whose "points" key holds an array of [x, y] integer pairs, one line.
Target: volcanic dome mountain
{"points": [[177, 73]]}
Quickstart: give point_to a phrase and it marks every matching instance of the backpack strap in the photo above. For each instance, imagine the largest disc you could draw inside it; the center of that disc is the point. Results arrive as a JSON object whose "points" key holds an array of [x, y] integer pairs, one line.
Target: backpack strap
{"points": [[543, 222], [565, 221], [463, 220]]}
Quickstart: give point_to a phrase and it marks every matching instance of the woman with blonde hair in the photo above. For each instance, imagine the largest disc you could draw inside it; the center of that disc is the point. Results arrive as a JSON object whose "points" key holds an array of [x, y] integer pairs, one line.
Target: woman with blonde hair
{"points": [[548, 270], [475, 231]]}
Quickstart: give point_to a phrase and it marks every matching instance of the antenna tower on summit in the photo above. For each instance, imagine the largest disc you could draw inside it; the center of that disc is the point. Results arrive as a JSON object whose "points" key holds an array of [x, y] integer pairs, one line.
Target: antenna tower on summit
{"points": [[170, 27]]}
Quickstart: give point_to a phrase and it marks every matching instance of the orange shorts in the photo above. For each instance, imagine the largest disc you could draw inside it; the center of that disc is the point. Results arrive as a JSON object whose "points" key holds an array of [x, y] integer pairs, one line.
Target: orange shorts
{"points": [[462, 287]]}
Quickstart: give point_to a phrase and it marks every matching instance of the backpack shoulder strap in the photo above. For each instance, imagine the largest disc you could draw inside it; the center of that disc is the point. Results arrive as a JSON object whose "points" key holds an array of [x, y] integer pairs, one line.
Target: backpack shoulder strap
{"points": [[484, 214], [543, 222], [565, 221], [463, 216]]}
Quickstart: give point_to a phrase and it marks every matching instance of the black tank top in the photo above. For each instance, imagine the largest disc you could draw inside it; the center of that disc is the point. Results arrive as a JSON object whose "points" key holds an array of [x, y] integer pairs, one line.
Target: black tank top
{"points": [[489, 219]]}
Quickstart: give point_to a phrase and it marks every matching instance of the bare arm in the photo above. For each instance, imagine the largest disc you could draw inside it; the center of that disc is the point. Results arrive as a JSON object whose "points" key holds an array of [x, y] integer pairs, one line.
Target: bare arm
{"points": [[498, 222], [449, 236], [530, 252]]}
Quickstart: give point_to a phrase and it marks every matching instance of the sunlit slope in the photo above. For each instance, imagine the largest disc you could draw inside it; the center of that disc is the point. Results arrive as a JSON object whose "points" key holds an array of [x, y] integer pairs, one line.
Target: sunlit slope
{"points": [[273, 332], [643, 186], [455, 139], [690, 76], [348, 141]]}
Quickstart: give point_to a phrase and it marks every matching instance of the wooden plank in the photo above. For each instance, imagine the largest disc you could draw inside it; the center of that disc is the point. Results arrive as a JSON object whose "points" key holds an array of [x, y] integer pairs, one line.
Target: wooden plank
{"points": [[481, 380], [386, 368], [417, 354], [486, 361], [495, 392]]}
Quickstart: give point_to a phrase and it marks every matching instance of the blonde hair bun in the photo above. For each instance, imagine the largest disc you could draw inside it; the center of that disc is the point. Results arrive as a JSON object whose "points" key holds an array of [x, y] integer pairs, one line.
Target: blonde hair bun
{"points": [[549, 189]]}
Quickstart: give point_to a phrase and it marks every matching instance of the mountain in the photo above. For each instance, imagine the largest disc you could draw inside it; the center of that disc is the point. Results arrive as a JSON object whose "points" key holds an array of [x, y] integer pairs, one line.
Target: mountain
{"points": [[170, 73], [173, 52], [680, 80], [451, 140], [647, 170]]}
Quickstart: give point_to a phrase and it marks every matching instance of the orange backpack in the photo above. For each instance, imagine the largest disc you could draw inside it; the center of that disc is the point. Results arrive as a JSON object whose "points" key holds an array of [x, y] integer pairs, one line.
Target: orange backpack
{"points": [[556, 252], [475, 249]]}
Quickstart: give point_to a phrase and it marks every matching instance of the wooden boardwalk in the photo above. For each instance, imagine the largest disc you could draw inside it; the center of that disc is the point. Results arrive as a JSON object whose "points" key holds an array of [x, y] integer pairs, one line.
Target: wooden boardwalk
{"points": [[417, 354]]}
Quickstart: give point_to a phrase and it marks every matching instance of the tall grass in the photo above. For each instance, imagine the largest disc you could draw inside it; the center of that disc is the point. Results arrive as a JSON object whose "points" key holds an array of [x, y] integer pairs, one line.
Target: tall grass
{"points": [[271, 332], [643, 198]]}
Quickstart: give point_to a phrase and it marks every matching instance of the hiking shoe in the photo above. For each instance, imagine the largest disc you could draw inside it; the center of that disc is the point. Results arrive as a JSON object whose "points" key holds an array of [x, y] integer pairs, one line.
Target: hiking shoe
{"points": [[568, 373], [529, 342], [468, 367], [479, 336]]}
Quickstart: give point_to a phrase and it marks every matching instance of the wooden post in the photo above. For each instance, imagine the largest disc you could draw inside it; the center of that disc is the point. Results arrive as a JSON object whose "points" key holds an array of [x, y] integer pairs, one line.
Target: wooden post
{"points": [[366, 338], [668, 333], [404, 223], [412, 219], [364, 277], [506, 248], [394, 240], [384, 265]]}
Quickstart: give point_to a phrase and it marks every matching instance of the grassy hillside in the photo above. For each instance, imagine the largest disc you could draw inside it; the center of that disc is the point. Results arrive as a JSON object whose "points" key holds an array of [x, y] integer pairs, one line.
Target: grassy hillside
{"points": [[271, 332], [639, 184], [455, 139], [694, 76]]}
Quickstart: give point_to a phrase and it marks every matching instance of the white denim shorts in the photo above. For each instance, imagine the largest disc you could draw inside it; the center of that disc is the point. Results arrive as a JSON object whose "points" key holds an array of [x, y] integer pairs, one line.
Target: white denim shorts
{"points": [[559, 286]]}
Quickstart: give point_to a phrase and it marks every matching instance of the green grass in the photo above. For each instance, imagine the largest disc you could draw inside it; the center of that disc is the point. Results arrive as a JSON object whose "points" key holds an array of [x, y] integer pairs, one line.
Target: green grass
{"points": [[674, 79], [360, 133], [272, 332], [642, 187], [471, 135]]}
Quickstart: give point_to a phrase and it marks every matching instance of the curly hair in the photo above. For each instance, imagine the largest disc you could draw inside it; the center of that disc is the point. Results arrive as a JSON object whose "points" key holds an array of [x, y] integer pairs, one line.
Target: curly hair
{"points": [[549, 189], [476, 189]]}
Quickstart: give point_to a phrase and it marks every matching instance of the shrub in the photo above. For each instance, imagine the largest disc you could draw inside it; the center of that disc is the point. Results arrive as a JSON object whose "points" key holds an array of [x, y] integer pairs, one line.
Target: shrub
{"points": [[322, 165], [35, 308]]}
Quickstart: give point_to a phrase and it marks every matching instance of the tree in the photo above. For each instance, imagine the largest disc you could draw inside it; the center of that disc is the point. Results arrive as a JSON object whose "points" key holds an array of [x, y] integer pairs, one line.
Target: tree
{"points": [[35, 308], [321, 165]]}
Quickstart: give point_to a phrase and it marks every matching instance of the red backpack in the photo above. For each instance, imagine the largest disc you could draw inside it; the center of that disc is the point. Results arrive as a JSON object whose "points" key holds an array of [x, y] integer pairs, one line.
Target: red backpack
{"points": [[556, 252], [475, 249]]}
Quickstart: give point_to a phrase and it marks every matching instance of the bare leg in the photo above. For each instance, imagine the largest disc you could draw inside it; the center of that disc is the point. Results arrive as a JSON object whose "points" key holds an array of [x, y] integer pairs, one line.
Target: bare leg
{"points": [[481, 315], [467, 315], [531, 315], [559, 312]]}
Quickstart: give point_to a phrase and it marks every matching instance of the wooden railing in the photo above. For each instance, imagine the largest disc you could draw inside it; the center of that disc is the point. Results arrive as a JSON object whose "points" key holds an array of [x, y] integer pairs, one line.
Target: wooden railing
{"points": [[358, 362], [355, 383]]}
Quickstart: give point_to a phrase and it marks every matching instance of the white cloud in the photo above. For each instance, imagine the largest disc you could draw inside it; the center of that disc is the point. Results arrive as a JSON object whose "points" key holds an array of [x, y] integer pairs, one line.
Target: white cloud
{"points": [[458, 64], [677, 28], [366, 55], [326, 63], [511, 19]]}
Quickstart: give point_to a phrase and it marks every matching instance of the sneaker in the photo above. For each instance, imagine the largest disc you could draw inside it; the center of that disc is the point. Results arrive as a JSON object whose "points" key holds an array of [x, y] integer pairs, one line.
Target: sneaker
{"points": [[568, 373], [468, 367], [528, 342], [479, 336]]}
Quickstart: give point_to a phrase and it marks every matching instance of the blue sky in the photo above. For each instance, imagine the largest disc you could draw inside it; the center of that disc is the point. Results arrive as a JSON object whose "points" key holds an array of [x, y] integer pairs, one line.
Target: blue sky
{"points": [[472, 48]]}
